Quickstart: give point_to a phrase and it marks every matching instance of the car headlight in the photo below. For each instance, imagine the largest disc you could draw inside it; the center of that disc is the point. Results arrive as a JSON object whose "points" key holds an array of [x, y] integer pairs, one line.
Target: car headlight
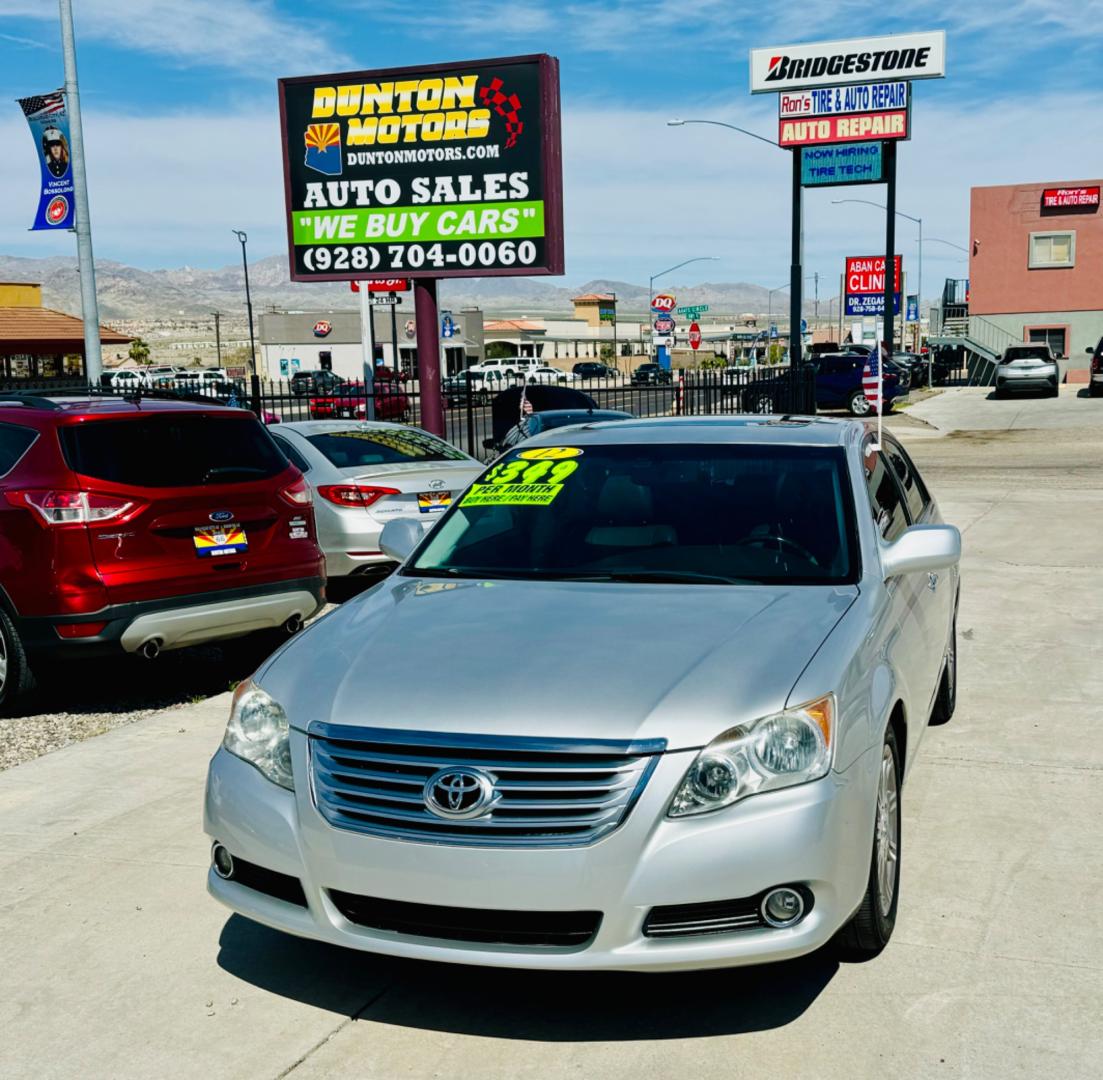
{"points": [[787, 748], [258, 733]]}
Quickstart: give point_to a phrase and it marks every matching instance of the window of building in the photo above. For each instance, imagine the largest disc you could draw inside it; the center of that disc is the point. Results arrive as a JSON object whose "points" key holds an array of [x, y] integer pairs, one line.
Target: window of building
{"points": [[1053, 336], [1052, 249]]}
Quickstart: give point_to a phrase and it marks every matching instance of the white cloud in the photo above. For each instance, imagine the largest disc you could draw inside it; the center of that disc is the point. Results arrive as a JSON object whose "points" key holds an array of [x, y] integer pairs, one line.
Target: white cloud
{"points": [[167, 189], [251, 36]]}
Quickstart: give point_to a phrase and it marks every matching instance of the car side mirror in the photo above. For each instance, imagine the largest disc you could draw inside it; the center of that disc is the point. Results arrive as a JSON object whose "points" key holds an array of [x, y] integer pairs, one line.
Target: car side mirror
{"points": [[922, 547], [1090, 351], [399, 538]]}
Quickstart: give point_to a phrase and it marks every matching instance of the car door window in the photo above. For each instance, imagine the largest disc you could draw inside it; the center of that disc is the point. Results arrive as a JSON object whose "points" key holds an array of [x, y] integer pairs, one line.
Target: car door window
{"points": [[14, 443], [916, 497], [885, 498], [291, 453]]}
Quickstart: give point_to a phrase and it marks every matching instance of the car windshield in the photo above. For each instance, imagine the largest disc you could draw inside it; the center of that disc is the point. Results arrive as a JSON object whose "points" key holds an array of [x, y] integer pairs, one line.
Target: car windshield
{"points": [[705, 514], [172, 450], [355, 447]]}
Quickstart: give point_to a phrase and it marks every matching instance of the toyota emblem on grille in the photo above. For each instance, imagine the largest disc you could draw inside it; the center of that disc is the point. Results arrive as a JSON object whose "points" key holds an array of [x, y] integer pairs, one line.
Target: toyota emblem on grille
{"points": [[459, 793]]}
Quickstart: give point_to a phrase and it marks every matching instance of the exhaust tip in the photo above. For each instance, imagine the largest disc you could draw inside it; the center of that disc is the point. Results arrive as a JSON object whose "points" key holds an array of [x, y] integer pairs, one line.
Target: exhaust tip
{"points": [[294, 624], [151, 649], [222, 861]]}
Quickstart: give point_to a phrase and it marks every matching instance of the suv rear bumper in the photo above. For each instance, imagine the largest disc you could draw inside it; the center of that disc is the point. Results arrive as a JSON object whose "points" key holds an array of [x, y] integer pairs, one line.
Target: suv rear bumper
{"points": [[179, 621]]}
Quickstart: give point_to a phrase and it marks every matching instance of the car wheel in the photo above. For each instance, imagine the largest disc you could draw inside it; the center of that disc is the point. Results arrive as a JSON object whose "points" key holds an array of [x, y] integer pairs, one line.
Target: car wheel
{"points": [[1095, 389], [946, 700], [15, 672], [868, 932], [858, 404]]}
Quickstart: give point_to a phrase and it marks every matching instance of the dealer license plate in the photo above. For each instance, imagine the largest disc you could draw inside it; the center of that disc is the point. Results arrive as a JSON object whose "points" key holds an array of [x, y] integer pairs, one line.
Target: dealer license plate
{"points": [[433, 502], [214, 540]]}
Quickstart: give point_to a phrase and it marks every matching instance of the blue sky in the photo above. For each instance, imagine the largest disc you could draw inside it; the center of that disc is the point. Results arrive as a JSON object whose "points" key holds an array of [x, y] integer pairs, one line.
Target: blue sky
{"points": [[183, 142]]}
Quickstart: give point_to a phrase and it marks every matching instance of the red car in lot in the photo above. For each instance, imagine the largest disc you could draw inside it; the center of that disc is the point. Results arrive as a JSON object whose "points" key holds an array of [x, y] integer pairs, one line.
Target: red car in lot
{"points": [[134, 526], [349, 400]]}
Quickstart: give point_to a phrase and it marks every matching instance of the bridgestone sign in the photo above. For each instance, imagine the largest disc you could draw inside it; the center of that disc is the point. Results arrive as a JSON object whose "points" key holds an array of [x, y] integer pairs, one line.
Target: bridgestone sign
{"points": [[837, 63]]}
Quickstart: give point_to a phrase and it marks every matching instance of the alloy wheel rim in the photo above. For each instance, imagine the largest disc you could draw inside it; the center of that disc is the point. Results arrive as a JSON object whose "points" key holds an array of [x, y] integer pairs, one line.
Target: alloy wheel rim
{"points": [[3, 661], [888, 832], [862, 407]]}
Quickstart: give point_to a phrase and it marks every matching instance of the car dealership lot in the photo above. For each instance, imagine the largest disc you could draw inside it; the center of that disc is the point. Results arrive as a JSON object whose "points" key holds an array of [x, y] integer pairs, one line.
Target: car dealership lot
{"points": [[116, 963]]}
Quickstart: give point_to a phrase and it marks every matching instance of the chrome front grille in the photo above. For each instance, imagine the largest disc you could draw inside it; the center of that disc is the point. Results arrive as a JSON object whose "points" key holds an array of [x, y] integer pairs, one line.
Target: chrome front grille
{"points": [[546, 792]]}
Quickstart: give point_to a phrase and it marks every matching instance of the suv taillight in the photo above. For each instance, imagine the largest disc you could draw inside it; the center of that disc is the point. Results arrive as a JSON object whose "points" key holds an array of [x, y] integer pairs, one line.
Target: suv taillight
{"points": [[354, 494], [298, 493], [75, 507], [1097, 363]]}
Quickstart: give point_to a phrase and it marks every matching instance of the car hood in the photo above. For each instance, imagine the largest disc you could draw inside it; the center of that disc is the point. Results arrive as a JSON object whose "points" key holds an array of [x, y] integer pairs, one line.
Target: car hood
{"points": [[568, 659]]}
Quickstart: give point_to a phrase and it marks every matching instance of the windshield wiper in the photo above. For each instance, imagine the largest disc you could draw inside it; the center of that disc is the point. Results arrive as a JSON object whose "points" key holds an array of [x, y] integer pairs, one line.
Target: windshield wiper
{"points": [[673, 577]]}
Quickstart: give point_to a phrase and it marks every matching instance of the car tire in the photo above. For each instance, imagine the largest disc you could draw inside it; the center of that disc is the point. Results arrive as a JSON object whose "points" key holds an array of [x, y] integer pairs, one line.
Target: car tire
{"points": [[946, 699], [1095, 389], [1054, 391], [858, 404], [15, 671], [871, 926]]}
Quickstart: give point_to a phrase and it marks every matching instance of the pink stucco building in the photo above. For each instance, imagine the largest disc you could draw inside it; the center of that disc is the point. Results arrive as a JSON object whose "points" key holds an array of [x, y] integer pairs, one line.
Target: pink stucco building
{"points": [[1036, 263]]}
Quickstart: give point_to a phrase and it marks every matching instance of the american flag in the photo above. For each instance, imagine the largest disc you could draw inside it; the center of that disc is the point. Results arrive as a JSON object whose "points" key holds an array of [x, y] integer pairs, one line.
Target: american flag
{"points": [[871, 378], [526, 405], [43, 104]]}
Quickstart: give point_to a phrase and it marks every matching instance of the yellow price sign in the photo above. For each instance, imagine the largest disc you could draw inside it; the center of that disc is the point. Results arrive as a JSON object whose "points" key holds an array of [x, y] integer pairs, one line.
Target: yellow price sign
{"points": [[550, 453]]}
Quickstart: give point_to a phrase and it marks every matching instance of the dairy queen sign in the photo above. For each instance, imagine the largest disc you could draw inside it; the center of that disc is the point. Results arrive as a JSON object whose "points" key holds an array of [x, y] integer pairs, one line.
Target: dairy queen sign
{"points": [[322, 328]]}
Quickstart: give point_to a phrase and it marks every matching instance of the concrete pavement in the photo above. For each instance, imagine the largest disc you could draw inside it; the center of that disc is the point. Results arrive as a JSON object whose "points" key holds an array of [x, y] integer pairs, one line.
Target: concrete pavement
{"points": [[115, 963]]}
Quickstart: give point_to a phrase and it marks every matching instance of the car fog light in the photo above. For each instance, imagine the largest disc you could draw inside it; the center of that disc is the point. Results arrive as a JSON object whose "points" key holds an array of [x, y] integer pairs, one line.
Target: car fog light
{"points": [[223, 862], [782, 907]]}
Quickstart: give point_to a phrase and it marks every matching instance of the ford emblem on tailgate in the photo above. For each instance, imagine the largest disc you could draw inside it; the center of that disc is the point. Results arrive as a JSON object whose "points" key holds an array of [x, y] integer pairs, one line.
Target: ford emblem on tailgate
{"points": [[221, 515]]}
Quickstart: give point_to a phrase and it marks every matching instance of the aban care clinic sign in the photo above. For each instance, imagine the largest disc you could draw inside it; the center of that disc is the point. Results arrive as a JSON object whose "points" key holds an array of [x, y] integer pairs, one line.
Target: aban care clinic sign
{"points": [[446, 171], [859, 60]]}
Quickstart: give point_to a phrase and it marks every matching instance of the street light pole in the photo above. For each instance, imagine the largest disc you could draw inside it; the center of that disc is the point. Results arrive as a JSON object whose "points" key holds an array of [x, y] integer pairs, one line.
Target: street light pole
{"points": [[671, 269], [217, 337], [82, 223], [253, 380]]}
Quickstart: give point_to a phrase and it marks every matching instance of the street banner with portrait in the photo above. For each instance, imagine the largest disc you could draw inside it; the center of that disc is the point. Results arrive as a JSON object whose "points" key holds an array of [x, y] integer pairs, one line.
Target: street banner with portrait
{"points": [[49, 123], [452, 170]]}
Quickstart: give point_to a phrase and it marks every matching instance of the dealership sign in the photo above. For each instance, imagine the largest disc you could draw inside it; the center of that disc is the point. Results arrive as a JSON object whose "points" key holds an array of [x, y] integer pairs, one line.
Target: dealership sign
{"points": [[834, 166], [865, 285], [836, 63], [1070, 198], [452, 170], [858, 127]]}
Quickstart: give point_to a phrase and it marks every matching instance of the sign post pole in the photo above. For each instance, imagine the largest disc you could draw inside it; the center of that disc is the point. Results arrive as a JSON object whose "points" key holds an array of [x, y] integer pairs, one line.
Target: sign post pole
{"points": [[367, 340], [796, 278], [394, 338], [428, 355], [888, 321]]}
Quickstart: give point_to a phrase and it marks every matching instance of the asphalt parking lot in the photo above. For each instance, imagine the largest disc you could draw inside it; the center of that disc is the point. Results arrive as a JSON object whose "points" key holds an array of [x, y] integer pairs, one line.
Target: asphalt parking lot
{"points": [[115, 963]]}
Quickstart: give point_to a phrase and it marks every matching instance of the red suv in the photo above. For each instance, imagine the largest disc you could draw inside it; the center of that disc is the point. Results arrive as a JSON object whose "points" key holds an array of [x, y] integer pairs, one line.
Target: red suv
{"points": [[134, 526]]}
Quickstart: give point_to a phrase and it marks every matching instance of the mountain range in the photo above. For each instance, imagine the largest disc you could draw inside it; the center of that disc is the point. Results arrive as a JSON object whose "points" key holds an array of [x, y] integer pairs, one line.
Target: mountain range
{"points": [[127, 293]]}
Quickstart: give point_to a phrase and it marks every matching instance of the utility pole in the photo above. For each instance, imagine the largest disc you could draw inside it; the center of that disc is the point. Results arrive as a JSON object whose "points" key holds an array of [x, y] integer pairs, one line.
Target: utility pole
{"points": [[217, 337], [816, 279], [89, 307]]}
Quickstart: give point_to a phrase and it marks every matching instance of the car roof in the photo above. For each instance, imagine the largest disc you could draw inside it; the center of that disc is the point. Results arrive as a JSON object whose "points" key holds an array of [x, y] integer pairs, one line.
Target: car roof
{"points": [[58, 405], [565, 416], [787, 430]]}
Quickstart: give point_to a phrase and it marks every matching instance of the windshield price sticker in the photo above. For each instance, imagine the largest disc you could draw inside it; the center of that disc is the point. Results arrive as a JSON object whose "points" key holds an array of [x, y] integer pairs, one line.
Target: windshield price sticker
{"points": [[445, 171], [523, 482], [550, 453]]}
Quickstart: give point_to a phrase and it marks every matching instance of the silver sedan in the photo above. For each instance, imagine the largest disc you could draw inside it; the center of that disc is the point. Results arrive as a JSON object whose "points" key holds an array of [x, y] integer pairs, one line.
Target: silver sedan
{"points": [[364, 474], [646, 698]]}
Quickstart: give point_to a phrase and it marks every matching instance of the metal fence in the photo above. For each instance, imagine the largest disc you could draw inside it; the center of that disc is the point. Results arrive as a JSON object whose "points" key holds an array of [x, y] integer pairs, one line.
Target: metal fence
{"points": [[468, 412]]}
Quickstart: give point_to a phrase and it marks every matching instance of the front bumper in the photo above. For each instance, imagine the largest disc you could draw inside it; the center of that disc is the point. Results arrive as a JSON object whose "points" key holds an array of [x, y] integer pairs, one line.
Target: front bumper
{"points": [[818, 835]]}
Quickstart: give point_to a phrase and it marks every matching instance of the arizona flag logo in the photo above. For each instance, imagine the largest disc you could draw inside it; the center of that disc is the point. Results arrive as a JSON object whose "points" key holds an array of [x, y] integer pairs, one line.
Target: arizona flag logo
{"points": [[323, 148]]}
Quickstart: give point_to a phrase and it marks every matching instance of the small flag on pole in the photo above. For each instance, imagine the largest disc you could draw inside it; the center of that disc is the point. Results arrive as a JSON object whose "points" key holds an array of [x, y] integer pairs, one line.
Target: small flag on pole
{"points": [[526, 405], [871, 379]]}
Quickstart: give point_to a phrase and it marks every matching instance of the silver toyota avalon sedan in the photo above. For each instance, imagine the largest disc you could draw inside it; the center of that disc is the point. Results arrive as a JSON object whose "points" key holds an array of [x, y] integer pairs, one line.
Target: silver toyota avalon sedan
{"points": [[646, 698]]}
